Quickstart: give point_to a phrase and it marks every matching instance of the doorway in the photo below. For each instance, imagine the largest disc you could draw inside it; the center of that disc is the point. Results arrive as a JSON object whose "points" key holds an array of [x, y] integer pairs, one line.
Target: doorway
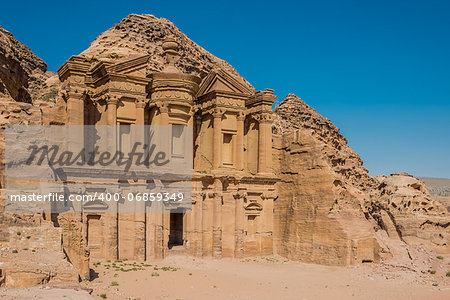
{"points": [[95, 236], [176, 230]]}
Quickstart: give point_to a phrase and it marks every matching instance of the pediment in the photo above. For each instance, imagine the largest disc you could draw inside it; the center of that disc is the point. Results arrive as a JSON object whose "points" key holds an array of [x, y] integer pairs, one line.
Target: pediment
{"points": [[221, 81], [135, 66]]}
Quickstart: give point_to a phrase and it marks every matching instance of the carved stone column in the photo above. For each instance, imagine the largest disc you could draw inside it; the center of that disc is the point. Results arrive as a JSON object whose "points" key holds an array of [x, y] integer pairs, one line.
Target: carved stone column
{"points": [[239, 225], [140, 111], [197, 218], [217, 140], [75, 106], [164, 112], [217, 225], [75, 98], [158, 240], [265, 143], [139, 132], [112, 103], [206, 225], [240, 142], [163, 132], [267, 223]]}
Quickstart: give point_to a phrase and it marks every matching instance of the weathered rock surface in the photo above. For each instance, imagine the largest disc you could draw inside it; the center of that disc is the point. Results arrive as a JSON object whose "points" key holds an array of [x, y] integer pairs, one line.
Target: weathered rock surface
{"points": [[33, 255], [318, 218], [294, 114], [144, 34], [439, 189], [418, 219], [30, 247], [22, 73], [329, 209], [328, 203]]}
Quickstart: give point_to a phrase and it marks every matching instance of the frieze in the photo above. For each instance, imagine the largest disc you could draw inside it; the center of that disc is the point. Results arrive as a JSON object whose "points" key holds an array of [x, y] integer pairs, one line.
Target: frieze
{"points": [[178, 95]]}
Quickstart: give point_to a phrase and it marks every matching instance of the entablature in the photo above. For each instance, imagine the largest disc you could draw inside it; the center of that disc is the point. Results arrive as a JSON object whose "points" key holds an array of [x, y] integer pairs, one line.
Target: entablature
{"points": [[262, 98], [75, 65], [227, 100]]}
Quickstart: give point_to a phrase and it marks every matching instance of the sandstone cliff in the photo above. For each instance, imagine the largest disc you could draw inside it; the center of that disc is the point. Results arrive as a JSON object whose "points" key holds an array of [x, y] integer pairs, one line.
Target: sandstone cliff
{"points": [[22, 73], [293, 114], [22, 81], [330, 210]]}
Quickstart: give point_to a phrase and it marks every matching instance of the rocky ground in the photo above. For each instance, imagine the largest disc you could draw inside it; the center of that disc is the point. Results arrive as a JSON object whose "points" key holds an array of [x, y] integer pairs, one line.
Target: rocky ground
{"points": [[45, 292], [439, 188], [180, 277], [27, 267]]}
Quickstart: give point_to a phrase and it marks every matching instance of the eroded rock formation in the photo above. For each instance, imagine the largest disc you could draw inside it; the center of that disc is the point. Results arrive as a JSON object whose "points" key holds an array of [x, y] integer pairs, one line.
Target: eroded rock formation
{"points": [[294, 114], [327, 208], [22, 73], [328, 199], [144, 34], [418, 219]]}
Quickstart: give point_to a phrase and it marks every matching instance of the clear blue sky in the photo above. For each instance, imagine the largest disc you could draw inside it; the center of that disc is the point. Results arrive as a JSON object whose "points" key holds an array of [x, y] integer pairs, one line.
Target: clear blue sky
{"points": [[380, 70]]}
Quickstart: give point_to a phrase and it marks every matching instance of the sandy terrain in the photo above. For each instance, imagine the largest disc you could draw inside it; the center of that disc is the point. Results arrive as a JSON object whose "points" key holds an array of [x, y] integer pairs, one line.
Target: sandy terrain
{"points": [[180, 277], [44, 293]]}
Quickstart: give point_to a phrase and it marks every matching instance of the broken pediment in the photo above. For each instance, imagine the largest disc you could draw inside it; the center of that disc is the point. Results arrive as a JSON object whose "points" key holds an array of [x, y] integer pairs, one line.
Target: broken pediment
{"points": [[134, 66], [221, 81]]}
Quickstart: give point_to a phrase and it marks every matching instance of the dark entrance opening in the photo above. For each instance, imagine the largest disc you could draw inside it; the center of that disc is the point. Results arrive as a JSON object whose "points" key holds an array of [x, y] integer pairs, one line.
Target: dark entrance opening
{"points": [[176, 229]]}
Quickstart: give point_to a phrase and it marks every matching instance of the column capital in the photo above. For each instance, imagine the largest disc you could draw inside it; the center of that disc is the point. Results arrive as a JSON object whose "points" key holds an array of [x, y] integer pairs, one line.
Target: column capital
{"points": [[162, 107], [214, 194], [239, 195], [112, 99], [217, 112], [240, 116], [265, 117], [63, 94], [69, 91], [198, 196], [140, 102], [268, 195]]}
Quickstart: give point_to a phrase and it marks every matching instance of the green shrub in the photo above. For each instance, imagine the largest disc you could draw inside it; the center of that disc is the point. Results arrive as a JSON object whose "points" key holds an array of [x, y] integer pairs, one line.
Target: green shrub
{"points": [[155, 274], [114, 283], [19, 233], [439, 257], [15, 251], [103, 296], [50, 96], [448, 274]]}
